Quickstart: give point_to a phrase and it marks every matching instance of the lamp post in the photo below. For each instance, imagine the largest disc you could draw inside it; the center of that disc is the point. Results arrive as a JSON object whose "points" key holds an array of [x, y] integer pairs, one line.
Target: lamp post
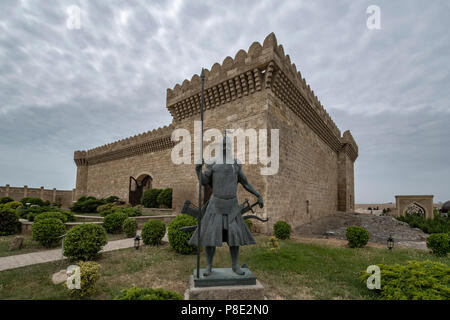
{"points": [[137, 241], [390, 242]]}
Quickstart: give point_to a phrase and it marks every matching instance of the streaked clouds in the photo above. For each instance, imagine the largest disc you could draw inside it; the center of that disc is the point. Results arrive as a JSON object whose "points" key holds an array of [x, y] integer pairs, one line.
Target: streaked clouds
{"points": [[62, 90]]}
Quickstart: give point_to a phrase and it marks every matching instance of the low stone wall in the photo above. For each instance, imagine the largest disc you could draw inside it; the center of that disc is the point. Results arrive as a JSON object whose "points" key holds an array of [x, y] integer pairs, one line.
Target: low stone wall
{"points": [[81, 218], [163, 211]]}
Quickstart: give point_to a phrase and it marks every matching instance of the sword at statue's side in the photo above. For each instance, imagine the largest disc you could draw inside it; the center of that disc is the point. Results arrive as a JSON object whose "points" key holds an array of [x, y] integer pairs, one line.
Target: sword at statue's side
{"points": [[200, 175]]}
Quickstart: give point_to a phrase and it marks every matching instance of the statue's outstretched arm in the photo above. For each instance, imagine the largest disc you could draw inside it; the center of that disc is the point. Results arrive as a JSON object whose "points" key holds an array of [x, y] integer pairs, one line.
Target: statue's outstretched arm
{"points": [[248, 186]]}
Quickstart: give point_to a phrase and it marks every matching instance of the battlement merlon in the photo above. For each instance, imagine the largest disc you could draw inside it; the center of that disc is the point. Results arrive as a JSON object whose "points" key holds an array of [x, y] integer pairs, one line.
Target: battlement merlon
{"points": [[80, 158], [349, 144], [248, 72]]}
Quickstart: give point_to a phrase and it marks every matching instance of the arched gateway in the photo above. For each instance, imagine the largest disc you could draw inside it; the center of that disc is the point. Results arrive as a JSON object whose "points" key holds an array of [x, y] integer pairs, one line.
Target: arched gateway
{"points": [[417, 204], [137, 187]]}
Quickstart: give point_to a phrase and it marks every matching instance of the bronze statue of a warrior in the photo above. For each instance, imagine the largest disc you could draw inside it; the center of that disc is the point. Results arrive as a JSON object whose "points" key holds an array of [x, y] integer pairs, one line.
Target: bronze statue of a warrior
{"points": [[222, 220]]}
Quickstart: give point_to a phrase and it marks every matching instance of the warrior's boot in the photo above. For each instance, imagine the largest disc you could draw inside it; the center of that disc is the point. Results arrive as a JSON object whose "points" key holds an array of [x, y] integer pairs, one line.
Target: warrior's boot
{"points": [[234, 251], [209, 259]]}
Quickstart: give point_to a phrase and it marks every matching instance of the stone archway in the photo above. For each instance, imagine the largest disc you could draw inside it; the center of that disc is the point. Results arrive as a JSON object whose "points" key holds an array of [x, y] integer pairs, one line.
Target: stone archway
{"points": [[137, 187], [416, 204]]}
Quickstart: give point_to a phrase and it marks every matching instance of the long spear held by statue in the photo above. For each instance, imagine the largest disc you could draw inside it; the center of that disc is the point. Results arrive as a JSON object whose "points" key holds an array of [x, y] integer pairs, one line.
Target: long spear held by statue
{"points": [[200, 176]]}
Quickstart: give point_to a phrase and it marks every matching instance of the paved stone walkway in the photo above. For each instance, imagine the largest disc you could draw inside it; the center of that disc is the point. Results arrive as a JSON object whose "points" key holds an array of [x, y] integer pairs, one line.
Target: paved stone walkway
{"points": [[27, 259]]}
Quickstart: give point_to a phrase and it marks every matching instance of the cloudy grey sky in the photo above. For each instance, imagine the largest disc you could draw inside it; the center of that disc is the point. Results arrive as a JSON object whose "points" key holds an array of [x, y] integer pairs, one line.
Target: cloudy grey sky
{"points": [[63, 90]]}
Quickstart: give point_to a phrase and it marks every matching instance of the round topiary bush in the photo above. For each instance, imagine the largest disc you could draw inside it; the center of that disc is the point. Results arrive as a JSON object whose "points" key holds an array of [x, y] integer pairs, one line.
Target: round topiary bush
{"points": [[32, 201], [439, 244], [89, 274], [112, 199], [13, 205], [282, 230], [84, 242], [357, 236], [113, 222], [149, 198], [48, 231], [9, 221], [4, 200], [132, 212], [46, 215], [153, 231], [164, 198], [130, 226], [87, 205], [105, 207], [70, 217], [136, 293], [179, 240]]}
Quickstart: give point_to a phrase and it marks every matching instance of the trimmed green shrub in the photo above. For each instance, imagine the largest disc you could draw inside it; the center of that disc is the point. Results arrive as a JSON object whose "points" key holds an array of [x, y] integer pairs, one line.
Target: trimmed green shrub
{"points": [[438, 224], [13, 205], [30, 213], [164, 198], [48, 231], [9, 222], [87, 205], [113, 222], [130, 227], [417, 280], [84, 242], [439, 244], [4, 200], [69, 216], [105, 207], [46, 215], [149, 198], [136, 293], [178, 239], [282, 230], [112, 199], [31, 201], [131, 212], [89, 274], [153, 231], [357, 236]]}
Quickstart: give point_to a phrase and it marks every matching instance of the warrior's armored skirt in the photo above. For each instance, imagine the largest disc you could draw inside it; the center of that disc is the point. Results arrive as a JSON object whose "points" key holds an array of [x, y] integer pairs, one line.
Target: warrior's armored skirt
{"points": [[223, 222]]}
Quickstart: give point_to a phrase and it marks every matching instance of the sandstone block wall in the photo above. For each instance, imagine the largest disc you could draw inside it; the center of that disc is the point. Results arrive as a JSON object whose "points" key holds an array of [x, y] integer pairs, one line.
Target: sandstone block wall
{"points": [[63, 197]]}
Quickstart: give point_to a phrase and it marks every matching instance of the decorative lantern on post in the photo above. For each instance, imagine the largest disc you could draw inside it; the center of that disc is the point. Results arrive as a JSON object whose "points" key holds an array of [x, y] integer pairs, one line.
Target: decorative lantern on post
{"points": [[137, 241], [390, 242]]}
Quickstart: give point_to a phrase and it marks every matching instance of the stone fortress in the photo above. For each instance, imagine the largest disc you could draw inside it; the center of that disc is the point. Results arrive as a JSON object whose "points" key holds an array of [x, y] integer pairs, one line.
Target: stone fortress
{"points": [[259, 89]]}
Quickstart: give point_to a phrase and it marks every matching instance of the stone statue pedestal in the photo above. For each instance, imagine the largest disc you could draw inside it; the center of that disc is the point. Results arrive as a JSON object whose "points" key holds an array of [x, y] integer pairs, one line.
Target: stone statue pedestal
{"points": [[224, 284]]}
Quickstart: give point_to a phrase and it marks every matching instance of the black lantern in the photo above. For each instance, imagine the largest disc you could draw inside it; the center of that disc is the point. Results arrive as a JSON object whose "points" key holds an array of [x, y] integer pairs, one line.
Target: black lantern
{"points": [[390, 242], [137, 241]]}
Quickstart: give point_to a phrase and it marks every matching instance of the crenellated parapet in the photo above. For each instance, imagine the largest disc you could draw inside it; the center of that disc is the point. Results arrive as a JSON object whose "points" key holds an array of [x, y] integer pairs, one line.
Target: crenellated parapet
{"points": [[80, 158], [262, 67], [147, 142], [349, 145]]}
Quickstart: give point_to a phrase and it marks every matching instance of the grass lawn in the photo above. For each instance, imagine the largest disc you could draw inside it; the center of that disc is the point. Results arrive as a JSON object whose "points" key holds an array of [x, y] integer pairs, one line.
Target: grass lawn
{"points": [[29, 245], [298, 271]]}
